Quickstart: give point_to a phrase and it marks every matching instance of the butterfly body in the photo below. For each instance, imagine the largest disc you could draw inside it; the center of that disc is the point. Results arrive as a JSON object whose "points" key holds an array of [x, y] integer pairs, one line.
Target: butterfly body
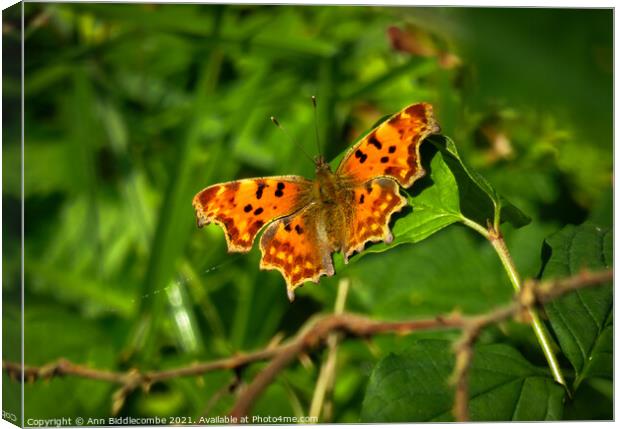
{"points": [[332, 197], [327, 186], [305, 221]]}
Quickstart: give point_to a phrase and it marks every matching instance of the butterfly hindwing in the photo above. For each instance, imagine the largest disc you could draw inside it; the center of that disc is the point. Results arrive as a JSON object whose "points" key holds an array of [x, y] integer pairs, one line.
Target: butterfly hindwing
{"points": [[392, 149], [306, 221], [295, 246], [243, 207], [375, 202]]}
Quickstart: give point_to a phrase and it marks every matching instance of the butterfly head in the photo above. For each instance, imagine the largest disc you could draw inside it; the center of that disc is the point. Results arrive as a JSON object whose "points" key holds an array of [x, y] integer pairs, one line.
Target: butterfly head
{"points": [[321, 165]]}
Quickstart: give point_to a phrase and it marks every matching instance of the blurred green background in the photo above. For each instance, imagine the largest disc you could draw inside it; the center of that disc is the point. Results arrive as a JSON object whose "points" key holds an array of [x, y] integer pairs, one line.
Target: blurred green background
{"points": [[132, 109]]}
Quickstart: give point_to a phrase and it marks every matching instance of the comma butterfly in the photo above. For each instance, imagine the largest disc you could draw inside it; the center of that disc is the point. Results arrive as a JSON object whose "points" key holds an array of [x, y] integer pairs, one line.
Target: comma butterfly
{"points": [[307, 220]]}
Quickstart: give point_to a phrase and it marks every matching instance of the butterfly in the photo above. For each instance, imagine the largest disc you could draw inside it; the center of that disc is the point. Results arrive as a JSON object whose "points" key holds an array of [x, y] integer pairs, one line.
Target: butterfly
{"points": [[306, 221]]}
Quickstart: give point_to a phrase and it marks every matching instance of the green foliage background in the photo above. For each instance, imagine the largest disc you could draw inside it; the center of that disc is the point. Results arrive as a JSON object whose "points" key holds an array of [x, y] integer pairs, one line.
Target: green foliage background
{"points": [[132, 109]]}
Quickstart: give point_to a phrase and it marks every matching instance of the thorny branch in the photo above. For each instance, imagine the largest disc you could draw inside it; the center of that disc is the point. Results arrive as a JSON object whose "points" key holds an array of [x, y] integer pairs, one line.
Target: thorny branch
{"points": [[315, 335]]}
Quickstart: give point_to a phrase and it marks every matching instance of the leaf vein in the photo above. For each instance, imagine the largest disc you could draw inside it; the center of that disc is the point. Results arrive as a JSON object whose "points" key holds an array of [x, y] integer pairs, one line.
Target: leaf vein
{"points": [[516, 407], [570, 330]]}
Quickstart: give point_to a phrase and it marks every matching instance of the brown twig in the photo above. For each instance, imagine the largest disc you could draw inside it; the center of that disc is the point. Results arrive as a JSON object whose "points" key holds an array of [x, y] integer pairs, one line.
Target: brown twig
{"points": [[550, 289], [471, 327], [533, 293], [315, 336], [60, 368], [63, 367], [464, 353]]}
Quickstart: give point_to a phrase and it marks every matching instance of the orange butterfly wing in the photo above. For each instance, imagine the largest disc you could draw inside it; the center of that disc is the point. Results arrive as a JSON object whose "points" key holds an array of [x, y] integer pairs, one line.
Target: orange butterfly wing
{"points": [[243, 207], [296, 246], [375, 202], [392, 149], [373, 168], [303, 230]]}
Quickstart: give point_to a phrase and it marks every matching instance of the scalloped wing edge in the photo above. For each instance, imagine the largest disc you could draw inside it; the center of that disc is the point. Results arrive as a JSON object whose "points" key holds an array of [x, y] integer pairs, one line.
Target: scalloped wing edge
{"points": [[384, 235]]}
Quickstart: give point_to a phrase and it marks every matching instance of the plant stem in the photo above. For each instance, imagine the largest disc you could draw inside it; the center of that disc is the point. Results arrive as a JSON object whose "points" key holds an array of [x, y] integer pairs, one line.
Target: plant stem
{"points": [[328, 369], [473, 225], [497, 240]]}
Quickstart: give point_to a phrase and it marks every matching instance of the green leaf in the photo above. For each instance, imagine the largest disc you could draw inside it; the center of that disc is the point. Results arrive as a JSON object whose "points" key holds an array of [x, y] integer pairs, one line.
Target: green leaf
{"points": [[582, 321], [414, 386], [593, 401], [434, 208], [83, 396], [412, 281], [601, 359], [173, 229], [479, 201], [414, 67], [450, 192]]}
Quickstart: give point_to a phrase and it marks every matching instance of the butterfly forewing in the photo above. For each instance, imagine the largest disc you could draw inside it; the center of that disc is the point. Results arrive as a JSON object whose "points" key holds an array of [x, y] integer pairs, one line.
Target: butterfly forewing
{"points": [[243, 207], [306, 221], [393, 148]]}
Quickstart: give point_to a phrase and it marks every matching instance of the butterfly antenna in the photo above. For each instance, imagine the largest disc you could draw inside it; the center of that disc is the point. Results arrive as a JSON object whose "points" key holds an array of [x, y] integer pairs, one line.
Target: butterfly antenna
{"points": [[316, 127], [277, 124]]}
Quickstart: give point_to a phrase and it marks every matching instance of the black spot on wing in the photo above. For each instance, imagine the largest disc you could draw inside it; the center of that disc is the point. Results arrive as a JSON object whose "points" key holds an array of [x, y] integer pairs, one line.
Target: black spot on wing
{"points": [[279, 191], [259, 190], [361, 156], [374, 141]]}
